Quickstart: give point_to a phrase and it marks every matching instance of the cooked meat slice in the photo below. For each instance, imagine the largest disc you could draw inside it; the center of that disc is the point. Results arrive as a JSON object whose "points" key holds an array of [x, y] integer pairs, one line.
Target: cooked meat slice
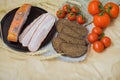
{"points": [[73, 50], [25, 38], [72, 40], [41, 33], [27, 29], [56, 42]]}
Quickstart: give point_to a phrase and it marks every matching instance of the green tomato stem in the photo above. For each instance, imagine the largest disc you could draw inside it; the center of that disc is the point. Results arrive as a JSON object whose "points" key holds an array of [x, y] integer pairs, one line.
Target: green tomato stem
{"points": [[101, 7], [101, 36], [108, 10]]}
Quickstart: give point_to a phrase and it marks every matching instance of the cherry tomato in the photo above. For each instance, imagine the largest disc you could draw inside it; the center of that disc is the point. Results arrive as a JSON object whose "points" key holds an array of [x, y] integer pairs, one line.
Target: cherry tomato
{"points": [[71, 16], [75, 9], [60, 14], [94, 7], [101, 20], [112, 9], [106, 41], [98, 46], [81, 19], [97, 30], [92, 37], [66, 8]]}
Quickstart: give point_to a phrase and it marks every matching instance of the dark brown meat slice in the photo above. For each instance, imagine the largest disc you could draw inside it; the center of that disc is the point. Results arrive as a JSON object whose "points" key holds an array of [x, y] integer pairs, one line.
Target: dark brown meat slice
{"points": [[73, 50], [72, 40], [82, 31], [56, 42]]}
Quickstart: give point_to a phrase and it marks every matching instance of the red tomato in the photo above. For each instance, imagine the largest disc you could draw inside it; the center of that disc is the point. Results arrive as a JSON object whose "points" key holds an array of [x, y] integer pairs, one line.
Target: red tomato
{"points": [[92, 37], [98, 46], [94, 7], [66, 8], [101, 20], [112, 9], [60, 14], [81, 19], [97, 30], [106, 41], [71, 16], [75, 9]]}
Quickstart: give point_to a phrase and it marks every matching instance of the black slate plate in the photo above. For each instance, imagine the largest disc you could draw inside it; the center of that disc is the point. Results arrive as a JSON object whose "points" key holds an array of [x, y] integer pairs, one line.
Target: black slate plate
{"points": [[7, 19]]}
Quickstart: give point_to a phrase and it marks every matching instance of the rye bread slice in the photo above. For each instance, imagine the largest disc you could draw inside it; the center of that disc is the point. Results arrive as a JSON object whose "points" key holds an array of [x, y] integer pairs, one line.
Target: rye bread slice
{"points": [[56, 42], [70, 39], [70, 50], [80, 30], [73, 50]]}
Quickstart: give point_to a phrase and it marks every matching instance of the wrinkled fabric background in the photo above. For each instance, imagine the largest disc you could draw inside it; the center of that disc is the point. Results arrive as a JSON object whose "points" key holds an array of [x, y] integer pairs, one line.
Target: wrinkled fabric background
{"points": [[103, 66]]}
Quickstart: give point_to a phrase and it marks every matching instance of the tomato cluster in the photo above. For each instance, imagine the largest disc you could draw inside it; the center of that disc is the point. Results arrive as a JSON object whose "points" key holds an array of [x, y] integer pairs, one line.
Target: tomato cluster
{"points": [[103, 14], [95, 7], [99, 41], [72, 12], [102, 17]]}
